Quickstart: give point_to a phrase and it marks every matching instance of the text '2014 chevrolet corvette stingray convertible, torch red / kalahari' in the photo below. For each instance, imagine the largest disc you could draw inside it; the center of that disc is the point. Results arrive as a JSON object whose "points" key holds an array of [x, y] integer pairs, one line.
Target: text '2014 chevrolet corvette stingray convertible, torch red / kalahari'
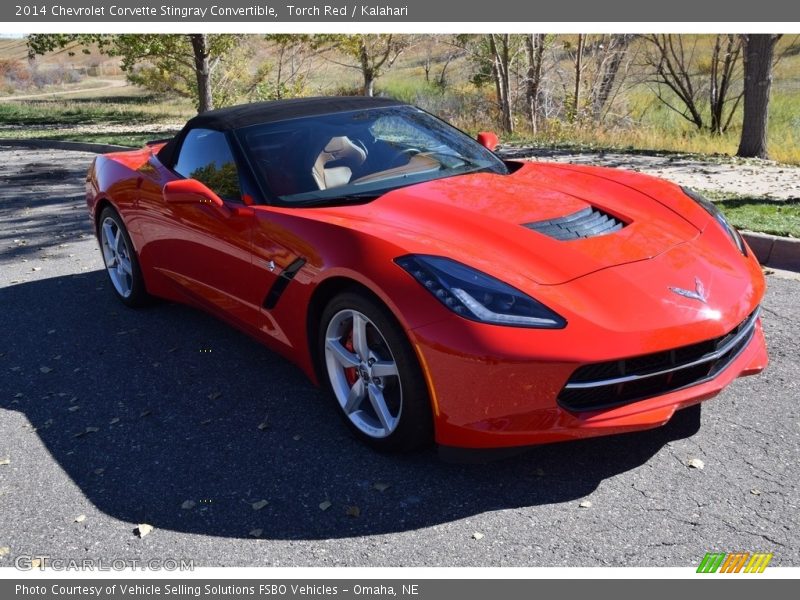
{"points": [[438, 292]]}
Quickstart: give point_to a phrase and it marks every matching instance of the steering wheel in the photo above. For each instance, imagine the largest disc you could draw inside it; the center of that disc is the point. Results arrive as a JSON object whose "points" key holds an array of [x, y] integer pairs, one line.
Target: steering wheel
{"points": [[407, 153], [361, 145]]}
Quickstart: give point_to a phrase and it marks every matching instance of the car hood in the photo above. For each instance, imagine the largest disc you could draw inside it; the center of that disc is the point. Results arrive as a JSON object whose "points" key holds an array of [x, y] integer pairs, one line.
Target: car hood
{"points": [[490, 221]]}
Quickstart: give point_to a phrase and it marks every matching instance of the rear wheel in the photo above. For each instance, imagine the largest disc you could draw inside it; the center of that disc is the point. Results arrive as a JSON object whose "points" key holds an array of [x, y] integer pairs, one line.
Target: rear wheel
{"points": [[373, 374], [122, 264]]}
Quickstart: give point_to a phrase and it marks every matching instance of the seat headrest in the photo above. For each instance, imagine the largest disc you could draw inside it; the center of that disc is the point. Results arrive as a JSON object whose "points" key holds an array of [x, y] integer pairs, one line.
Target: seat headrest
{"points": [[342, 147]]}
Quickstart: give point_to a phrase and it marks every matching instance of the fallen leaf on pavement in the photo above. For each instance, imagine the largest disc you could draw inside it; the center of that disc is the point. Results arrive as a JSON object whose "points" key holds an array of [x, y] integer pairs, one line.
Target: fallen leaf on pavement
{"points": [[80, 518], [45, 369], [85, 431], [586, 504], [696, 463], [256, 532], [143, 529], [754, 491], [99, 471], [325, 505], [381, 487], [353, 511], [188, 505], [477, 535], [5, 461], [5, 550], [259, 505]]}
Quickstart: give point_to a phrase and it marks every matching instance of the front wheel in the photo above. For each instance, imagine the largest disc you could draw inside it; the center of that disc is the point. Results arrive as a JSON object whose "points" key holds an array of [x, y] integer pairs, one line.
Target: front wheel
{"points": [[122, 264], [373, 374]]}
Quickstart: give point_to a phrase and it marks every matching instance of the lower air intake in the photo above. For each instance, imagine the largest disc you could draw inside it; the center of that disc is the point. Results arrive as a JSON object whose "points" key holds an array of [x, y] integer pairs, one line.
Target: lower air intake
{"points": [[606, 384]]}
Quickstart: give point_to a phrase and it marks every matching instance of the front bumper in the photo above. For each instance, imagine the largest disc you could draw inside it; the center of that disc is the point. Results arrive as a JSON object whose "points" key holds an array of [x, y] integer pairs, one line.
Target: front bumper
{"points": [[484, 397]]}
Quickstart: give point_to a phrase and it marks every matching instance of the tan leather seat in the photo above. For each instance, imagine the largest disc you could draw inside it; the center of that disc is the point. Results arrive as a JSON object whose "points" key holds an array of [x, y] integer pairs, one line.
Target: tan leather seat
{"points": [[339, 149]]}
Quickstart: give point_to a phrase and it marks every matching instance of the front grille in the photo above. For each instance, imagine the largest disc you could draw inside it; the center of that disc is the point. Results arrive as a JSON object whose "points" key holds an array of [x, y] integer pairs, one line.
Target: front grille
{"points": [[607, 384], [586, 223]]}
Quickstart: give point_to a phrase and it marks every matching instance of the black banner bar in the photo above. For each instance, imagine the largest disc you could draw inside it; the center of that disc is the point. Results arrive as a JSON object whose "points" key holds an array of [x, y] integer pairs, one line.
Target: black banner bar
{"points": [[394, 589], [401, 11]]}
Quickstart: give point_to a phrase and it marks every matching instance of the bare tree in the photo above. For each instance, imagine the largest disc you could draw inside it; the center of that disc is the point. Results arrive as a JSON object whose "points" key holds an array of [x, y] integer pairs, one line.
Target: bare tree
{"points": [[576, 95], [758, 53], [724, 61], [534, 49], [454, 51], [501, 54], [675, 66], [285, 76], [671, 63], [611, 52], [441, 50]]}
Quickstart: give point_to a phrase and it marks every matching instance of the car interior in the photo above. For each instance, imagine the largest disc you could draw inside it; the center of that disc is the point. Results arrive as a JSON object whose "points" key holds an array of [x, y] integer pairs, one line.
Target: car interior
{"points": [[290, 168]]}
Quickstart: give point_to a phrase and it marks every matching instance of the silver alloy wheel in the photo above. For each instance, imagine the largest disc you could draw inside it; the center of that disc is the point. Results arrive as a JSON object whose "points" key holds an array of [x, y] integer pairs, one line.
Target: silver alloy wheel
{"points": [[363, 373], [117, 256]]}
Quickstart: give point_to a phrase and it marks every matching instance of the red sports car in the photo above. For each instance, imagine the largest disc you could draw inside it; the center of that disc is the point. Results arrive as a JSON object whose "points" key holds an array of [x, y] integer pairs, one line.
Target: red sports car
{"points": [[436, 291]]}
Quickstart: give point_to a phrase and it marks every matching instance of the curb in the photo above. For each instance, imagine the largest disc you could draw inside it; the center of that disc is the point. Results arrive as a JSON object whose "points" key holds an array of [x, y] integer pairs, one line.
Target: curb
{"points": [[774, 251], [62, 145]]}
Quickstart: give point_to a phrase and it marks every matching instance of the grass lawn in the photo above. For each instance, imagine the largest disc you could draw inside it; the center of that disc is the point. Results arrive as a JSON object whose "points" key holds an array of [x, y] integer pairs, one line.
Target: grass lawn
{"points": [[126, 116], [778, 217]]}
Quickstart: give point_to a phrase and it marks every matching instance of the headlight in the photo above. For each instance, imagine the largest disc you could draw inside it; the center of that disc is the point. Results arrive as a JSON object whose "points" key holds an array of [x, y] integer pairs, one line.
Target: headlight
{"points": [[712, 209], [477, 296]]}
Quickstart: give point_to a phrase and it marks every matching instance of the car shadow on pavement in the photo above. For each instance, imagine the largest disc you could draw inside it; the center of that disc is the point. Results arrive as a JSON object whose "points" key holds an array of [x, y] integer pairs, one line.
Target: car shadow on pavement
{"points": [[168, 417], [40, 210]]}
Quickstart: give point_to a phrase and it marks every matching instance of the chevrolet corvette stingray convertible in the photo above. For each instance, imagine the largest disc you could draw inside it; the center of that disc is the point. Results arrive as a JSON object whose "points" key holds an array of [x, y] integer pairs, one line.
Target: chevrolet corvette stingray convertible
{"points": [[437, 292]]}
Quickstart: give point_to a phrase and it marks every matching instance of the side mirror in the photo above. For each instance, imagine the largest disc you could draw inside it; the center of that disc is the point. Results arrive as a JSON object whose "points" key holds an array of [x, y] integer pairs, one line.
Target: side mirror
{"points": [[191, 191], [489, 140]]}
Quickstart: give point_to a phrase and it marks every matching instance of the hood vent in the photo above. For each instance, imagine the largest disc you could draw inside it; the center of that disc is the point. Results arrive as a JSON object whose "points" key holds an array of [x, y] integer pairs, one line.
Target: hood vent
{"points": [[586, 223]]}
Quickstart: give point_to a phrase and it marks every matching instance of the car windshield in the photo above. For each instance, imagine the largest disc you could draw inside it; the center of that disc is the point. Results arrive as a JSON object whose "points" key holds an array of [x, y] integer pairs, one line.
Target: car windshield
{"points": [[358, 155]]}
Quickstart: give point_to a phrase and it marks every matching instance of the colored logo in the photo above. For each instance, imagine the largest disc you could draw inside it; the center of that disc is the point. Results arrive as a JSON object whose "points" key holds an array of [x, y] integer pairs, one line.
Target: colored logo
{"points": [[738, 562]]}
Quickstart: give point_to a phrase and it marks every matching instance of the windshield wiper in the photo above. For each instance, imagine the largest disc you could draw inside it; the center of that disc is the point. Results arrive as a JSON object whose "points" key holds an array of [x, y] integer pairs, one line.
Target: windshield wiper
{"points": [[358, 198]]}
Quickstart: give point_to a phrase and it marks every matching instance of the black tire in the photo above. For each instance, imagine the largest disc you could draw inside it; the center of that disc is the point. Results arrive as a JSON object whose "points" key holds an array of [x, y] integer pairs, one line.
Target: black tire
{"points": [[388, 342], [137, 295]]}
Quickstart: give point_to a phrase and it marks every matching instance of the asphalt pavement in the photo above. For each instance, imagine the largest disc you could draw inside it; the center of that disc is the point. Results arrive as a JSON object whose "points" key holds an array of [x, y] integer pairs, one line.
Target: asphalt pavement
{"points": [[111, 417]]}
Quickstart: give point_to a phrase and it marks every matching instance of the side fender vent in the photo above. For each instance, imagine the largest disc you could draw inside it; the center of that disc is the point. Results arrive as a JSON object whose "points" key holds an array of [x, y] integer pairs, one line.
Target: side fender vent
{"points": [[586, 223]]}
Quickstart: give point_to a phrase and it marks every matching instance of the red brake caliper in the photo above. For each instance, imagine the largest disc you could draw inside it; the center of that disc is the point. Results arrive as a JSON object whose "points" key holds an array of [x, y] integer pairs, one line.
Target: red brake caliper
{"points": [[351, 374]]}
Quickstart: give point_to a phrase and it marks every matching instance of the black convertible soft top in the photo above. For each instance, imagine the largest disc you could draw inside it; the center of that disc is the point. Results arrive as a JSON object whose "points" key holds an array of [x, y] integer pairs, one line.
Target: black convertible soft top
{"points": [[235, 117]]}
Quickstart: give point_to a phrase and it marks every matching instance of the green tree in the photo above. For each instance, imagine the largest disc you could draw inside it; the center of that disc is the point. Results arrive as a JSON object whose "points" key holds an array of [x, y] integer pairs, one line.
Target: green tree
{"points": [[371, 54], [286, 75], [184, 64]]}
